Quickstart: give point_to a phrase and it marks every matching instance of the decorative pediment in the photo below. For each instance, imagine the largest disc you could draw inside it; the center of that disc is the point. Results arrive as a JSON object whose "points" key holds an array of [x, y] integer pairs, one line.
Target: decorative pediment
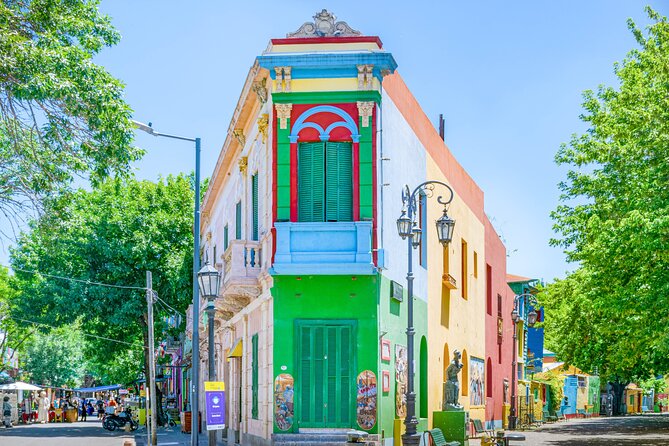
{"points": [[324, 25]]}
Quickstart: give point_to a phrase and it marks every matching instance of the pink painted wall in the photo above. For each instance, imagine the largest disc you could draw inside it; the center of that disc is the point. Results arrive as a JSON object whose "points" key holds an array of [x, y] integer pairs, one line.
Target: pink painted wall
{"points": [[495, 257]]}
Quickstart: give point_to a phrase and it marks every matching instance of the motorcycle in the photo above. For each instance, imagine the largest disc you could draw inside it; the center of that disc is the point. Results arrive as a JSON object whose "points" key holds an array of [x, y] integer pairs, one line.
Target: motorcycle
{"points": [[111, 422]]}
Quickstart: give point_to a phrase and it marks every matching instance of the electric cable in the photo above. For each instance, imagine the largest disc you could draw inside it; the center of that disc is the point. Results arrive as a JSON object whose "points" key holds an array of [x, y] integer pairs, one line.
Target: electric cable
{"points": [[87, 282]]}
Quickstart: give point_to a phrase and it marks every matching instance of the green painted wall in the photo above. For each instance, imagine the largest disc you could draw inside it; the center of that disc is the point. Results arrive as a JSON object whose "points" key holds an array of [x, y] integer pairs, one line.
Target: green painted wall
{"points": [[366, 171], [325, 297], [393, 321], [283, 172]]}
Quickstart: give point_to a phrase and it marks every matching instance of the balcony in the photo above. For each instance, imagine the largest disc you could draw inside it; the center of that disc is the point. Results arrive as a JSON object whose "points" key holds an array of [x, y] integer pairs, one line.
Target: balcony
{"points": [[323, 248], [449, 281], [242, 266]]}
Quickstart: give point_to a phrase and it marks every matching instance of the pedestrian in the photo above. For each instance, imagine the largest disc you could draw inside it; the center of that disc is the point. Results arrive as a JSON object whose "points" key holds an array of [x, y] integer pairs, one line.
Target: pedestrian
{"points": [[101, 409], [83, 409], [7, 412], [43, 408]]}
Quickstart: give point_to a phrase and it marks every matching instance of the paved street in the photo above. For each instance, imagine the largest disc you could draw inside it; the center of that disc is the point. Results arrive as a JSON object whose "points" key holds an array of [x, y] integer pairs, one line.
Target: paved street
{"points": [[89, 433], [648, 430]]}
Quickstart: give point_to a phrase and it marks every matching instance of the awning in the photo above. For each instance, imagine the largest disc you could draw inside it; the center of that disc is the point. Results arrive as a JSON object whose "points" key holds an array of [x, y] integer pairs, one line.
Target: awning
{"points": [[236, 350], [99, 388]]}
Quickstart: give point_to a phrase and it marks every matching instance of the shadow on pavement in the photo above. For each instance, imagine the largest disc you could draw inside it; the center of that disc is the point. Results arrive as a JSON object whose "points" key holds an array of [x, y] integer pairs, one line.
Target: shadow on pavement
{"points": [[633, 426], [79, 429]]}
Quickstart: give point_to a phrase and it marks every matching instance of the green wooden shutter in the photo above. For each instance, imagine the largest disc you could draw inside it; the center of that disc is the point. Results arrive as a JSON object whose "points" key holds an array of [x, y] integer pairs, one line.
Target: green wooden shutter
{"points": [[238, 221], [306, 389], [225, 238], [254, 376], [339, 181], [310, 182], [254, 197]]}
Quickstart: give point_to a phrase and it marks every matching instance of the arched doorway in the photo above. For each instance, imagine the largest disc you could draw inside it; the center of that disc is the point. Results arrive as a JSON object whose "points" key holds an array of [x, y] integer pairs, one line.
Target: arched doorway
{"points": [[488, 379]]}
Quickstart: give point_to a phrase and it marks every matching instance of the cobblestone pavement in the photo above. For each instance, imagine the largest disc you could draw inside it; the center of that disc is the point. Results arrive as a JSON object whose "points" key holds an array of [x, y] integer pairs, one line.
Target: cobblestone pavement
{"points": [[86, 433], [646, 430]]}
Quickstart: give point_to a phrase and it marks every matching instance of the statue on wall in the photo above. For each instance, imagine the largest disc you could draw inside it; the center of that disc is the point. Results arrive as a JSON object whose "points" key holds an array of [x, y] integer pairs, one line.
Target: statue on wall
{"points": [[452, 386]]}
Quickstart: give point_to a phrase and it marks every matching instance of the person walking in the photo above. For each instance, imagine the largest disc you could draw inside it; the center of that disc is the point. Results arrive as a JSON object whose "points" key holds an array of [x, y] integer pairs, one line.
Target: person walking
{"points": [[101, 409], [84, 409], [7, 412]]}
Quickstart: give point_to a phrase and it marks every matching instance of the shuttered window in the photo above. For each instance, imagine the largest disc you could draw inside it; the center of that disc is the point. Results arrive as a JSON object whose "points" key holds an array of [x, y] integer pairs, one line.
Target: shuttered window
{"points": [[254, 199], [338, 182], [238, 221], [254, 376], [325, 182]]}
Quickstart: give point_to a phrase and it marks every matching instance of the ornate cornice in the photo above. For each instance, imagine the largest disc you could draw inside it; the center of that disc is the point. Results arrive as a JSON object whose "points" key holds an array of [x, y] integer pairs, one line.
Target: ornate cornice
{"points": [[283, 114], [365, 110], [239, 136], [263, 122], [324, 25], [260, 89], [243, 164]]}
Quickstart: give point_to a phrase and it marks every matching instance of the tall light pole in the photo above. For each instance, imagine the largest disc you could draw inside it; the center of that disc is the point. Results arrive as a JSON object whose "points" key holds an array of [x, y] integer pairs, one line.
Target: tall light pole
{"points": [[408, 229], [210, 280], [528, 299], [195, 389]]}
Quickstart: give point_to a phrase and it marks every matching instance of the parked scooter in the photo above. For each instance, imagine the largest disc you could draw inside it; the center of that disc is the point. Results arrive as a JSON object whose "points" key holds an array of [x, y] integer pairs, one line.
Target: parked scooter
{"points": [[111, 422]]}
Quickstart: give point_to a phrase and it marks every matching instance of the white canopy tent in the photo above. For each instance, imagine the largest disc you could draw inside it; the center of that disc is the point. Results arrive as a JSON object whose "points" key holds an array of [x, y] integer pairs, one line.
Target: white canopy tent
{"points": [[19, 385]]}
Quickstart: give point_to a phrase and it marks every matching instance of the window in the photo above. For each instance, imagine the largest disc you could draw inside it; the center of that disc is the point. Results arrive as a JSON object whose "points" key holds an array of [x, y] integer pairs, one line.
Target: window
{"points": [[213, 261], [238, 220], [488, 379], [499, 305], [254, 204], [422, 214], [254, 376], [325, 181], [226, 239], [463, 254], [488, 288], [476, 265], [465, 374]]}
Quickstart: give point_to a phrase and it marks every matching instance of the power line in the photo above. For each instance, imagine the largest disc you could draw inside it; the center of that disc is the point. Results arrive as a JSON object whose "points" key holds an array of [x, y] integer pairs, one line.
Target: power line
{"points": [[87, 282], [85, 334], [167, 305]]}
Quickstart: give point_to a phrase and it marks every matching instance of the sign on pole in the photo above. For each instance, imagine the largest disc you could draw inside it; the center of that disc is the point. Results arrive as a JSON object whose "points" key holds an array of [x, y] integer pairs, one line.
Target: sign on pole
{"points": [[215, 404]]}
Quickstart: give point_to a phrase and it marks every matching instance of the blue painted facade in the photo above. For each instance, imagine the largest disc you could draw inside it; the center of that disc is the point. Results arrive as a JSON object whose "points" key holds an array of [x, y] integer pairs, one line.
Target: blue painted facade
{"points": [[323, 248], [328, 65]]}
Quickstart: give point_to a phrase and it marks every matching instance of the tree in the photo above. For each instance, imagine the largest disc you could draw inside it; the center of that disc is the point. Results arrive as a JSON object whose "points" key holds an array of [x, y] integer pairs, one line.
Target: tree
{"points": [[610, 314], [12, 333], [61, 115], [56, 357], [110, 235]]}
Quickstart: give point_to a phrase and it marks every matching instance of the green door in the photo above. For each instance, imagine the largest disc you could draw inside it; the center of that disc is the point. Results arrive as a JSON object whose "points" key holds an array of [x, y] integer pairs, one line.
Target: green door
{"points": [[326, 382]]}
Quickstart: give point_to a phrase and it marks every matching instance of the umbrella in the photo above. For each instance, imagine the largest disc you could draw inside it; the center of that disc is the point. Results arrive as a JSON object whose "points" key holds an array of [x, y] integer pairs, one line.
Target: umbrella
{"points": [[19, 385]]}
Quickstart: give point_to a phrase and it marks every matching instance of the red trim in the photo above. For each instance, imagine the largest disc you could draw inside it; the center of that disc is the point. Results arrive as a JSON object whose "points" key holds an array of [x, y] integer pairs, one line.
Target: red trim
{"points": [[274, 176], [293, 181], [307, 40], [374, 187], [356, 181]]}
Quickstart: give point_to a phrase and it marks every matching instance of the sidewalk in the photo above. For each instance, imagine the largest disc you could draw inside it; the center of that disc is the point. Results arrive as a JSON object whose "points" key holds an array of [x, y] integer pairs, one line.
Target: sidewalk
{"points": [[173, 437]]}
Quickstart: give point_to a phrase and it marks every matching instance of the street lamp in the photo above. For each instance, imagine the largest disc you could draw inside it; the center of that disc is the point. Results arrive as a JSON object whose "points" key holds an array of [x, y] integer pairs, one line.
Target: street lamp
{"points": [[210, 280], [195, 390], [528, 300], [408, 229]]}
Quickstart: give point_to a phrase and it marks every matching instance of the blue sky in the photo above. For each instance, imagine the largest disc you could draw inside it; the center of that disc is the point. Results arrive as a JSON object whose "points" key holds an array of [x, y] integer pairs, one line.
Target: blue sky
{"points": [[508, 77]]}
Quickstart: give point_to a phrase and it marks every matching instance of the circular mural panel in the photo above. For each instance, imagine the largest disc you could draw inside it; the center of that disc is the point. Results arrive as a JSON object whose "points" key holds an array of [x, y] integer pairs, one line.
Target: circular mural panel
{"points": [[283, 401], [366, 401]]}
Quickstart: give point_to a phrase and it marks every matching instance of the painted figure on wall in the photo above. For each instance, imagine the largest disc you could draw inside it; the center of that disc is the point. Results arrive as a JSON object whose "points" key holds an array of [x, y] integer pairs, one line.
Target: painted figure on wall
{"points": [[366, 400], [401, 379], [43, 408], [452, 386], [283, 401], [477, 382]]}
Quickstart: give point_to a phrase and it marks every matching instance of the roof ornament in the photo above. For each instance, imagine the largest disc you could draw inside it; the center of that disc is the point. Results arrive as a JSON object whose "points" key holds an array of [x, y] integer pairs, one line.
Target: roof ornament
{"points": [[324, 25]]}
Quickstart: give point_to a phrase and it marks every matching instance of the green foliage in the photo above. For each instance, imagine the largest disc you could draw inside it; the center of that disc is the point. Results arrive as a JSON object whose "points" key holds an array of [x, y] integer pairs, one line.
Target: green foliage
{"points": [[113, 235], [122, 369], [614, 222], [657, 385], [555, 383], [56, 357], [61, 115], [12, 333]]}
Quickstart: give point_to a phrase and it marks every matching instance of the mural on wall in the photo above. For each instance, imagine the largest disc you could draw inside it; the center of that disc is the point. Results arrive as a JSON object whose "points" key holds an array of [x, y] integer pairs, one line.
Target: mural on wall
{"points": [[366, 401], [401, 380], [476, 382], [283, 401]]}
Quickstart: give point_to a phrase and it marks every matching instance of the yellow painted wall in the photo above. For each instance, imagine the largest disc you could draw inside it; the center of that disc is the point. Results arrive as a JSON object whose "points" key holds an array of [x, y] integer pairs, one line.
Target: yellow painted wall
{"points": [[463, 328], [327, 84]]}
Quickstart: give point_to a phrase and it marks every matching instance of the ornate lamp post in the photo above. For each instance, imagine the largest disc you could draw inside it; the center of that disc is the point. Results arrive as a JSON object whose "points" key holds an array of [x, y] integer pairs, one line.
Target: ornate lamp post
{"points": [[409, 230], [209, 279], [531, 316]]}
